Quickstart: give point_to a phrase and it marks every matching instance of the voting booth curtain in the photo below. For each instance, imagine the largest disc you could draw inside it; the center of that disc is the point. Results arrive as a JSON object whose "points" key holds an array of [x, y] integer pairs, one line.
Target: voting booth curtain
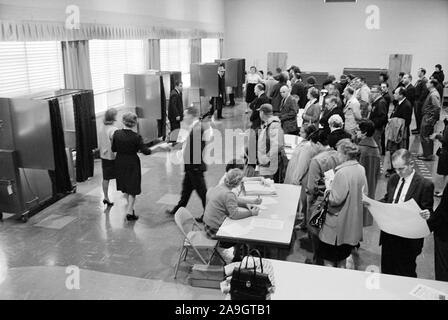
{"points": [[86, 137], [60, 176], [75, 57]]}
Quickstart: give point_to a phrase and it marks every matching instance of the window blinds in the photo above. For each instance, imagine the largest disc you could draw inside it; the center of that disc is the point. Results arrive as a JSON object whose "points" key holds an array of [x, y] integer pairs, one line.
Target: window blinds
{"points": [[209, 50], [111, 59], [175, 56], [27, 67]]}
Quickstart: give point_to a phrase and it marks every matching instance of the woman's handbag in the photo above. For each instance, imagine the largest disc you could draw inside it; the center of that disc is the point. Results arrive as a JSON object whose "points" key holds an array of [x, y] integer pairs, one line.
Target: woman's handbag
{"points": [[439, 152], [247, 283], [319, 214]]}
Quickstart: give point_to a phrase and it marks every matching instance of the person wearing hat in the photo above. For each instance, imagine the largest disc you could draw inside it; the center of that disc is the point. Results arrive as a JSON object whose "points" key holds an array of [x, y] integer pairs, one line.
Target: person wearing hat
{"points": [[270, 143]]}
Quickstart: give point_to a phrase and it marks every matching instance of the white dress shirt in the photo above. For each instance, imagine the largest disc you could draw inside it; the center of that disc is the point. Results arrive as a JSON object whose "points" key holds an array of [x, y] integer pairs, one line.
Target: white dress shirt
{"points": [[407, 183]]}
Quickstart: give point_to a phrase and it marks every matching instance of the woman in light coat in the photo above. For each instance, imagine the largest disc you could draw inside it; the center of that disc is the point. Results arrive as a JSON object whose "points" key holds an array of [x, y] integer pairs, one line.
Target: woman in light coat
{"points": [[342, 230]]}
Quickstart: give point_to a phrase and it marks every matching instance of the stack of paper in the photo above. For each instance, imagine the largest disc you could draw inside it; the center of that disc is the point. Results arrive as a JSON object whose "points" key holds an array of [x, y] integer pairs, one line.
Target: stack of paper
{"points": [[257, 188]]}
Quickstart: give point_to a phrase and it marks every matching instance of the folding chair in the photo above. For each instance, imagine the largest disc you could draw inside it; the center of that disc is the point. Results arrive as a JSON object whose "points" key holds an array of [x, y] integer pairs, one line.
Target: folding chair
{"points": [[194, 239]]}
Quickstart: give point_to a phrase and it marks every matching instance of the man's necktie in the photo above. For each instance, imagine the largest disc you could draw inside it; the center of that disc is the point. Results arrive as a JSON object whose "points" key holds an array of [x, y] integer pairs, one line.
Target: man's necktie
{"points": [[399, 191]]}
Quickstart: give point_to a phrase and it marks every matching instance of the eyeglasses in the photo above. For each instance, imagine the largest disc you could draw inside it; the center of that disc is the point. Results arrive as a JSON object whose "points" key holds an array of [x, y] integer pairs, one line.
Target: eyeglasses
{"points": [[401, 169]]}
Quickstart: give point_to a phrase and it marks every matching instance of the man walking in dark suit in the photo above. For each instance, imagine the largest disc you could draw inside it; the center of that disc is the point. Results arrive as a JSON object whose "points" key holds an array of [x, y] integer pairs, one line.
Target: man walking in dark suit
{"points": [[194, 163], [420, 95], [398, 254], [175, 110], [219, 101]]}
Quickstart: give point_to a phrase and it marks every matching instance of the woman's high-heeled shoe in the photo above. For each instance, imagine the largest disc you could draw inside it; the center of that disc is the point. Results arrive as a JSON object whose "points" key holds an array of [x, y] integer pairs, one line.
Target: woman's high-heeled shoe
{"points": [[108, 203], [131, 217]]}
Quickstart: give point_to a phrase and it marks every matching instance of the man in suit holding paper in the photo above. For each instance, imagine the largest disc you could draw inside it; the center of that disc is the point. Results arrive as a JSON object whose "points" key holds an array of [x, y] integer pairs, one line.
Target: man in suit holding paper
{"points": [[398, 254]]}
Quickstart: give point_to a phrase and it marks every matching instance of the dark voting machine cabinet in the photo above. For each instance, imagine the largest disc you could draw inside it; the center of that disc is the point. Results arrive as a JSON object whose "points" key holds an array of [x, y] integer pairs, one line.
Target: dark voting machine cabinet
{"points": [[234, 75], [149, 94], [46, 143], [204, 84]]}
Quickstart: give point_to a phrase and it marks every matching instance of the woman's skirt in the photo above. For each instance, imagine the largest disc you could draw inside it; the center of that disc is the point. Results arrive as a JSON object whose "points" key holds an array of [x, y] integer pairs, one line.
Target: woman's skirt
{"points": [[442, 166], [250, 92], [108, 167], [334, 253], [128, 174]]}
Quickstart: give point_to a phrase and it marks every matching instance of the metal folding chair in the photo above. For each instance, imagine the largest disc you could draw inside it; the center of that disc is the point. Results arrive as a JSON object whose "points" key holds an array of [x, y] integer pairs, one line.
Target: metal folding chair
{"points": [[195, 239]]}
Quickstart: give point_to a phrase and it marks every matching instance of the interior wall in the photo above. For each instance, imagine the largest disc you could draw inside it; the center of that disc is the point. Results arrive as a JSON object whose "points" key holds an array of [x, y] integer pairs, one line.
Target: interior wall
{"points": [[327, 37], [183, 14]]}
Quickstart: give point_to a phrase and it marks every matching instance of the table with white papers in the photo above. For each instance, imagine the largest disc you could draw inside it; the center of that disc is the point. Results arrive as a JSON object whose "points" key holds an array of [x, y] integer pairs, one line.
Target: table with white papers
{"points": [[299, 281], [274, 224]]}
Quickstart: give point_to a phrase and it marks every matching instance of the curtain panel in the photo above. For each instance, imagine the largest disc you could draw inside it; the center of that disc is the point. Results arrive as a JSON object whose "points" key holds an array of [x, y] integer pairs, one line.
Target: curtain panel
{"points": [[75, 57], [153, 54], [195, 47], [56, 31], [221, 48]]}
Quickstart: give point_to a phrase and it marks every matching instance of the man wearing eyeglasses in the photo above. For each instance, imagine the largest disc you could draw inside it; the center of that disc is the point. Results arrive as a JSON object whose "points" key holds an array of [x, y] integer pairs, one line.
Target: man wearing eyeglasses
{"points": [[398, 254]]}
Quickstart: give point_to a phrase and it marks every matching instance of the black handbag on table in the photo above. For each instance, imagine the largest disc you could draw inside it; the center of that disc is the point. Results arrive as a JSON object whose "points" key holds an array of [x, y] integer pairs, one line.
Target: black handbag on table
{"points": [[248, 284]]}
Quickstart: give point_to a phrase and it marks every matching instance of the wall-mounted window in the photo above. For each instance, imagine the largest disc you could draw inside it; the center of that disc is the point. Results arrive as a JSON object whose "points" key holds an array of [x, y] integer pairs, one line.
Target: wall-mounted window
{"points": [[28, 67], [175, 56], [209, 50], [109, 61]]}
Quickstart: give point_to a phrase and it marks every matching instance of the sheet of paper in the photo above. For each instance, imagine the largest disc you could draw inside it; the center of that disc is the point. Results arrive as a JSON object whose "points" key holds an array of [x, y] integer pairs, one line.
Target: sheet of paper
{"points": [[299, 118], [257, 188], [426, 293], [268, 200], [233, 229], [329, 177], [163, 145], [290, 140], [402, 219], [267, 223]]}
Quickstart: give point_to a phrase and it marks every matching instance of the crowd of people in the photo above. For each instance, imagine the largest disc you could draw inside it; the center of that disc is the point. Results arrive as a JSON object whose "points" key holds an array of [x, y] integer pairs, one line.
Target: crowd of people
{"points": [[346, 126]]}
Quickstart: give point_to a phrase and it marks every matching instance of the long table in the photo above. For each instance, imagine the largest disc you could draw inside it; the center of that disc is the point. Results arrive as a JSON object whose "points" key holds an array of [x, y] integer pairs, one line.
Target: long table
{"points": [[272, 227], [298, 281]]}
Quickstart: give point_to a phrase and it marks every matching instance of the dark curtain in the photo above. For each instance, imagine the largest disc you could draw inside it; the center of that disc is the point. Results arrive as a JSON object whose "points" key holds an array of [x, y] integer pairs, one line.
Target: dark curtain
{"points": [[60, 176], [86, 138], [162, 122]]}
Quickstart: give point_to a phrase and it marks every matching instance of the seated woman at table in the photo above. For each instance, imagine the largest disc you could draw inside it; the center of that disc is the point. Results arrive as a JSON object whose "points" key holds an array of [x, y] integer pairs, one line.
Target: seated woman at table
{"points": [[342, 229], [239, 164], [223, 203]]}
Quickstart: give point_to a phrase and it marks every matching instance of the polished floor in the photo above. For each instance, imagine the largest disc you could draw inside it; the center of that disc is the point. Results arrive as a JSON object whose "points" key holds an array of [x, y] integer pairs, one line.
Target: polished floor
{"points": [[122, 260]]}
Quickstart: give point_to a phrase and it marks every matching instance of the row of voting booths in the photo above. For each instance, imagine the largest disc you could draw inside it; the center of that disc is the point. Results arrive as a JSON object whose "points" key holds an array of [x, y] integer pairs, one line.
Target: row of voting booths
{"points": [[47, 142]]}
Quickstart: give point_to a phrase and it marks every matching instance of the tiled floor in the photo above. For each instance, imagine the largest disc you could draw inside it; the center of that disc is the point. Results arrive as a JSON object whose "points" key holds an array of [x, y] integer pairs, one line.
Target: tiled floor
{"points": [[119, 259]]}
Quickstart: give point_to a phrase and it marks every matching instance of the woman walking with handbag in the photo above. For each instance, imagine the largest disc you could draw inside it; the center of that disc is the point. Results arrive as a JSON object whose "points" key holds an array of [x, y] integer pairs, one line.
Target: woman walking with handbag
{"points": [[342, 228]]}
